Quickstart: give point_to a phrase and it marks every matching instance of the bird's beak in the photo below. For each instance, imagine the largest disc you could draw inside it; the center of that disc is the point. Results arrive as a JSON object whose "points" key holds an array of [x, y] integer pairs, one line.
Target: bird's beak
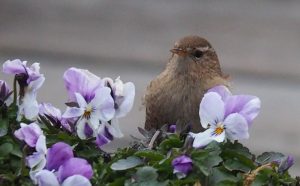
{"points": [[179, 51]]}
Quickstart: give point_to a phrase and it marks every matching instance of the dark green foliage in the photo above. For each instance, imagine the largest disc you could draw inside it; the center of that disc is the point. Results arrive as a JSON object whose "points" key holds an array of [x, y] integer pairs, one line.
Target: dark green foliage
{"points": [[148, 161]]}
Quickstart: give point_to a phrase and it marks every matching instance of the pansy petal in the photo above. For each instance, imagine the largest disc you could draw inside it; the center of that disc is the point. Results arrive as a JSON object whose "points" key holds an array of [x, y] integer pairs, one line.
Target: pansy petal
{"points": [[80, 100], [75, 166], [36, 84], [14, 67], [73, 112], [46, 178], [58, 154], [236, 127], [29, 108], [251, 110], [114, 128], [81, 81], [127, 100], [203, 138], [211, 109], [80, 128], [36, 161], [246, 105], [222, 90], [76, 180], [219, 137], [101, 96], [41, 144]]}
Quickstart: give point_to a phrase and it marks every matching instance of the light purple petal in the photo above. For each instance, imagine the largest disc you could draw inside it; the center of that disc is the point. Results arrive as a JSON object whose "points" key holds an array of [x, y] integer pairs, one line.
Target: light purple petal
{"points": [[236, 127], [126, 101], [29, 107], [248, 106], [33, 86], [41, 144], [80, 100], [114, 128], [251, 110], [46, 178], [50, 110], [36, 161], [76, 180], [211, 109], [29, 133], [14, 67], [222, 90], [58, 154], [75, 166], [82, 82], [182, 164], [104, 104], [73, 112], [203, 138]]}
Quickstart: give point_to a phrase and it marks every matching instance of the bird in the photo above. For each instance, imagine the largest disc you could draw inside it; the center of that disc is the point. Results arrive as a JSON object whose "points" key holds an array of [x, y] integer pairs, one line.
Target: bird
{"points": [[174, 96]]}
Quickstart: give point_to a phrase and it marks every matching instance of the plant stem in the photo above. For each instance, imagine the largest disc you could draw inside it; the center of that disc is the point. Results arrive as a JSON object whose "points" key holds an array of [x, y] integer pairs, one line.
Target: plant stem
{"points": [[15, 91]]}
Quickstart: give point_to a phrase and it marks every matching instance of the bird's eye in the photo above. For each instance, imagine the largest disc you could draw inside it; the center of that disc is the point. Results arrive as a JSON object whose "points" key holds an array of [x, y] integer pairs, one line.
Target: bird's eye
{"points": [[197, 54]]}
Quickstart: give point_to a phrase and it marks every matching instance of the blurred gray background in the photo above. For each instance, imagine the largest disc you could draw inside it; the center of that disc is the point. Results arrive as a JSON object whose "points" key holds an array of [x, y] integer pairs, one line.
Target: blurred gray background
{"points": [[258, 43]]}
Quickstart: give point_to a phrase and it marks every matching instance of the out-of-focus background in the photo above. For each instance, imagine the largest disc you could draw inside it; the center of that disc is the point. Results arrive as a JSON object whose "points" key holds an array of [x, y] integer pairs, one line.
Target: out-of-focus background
{"points": [[258, 43]]}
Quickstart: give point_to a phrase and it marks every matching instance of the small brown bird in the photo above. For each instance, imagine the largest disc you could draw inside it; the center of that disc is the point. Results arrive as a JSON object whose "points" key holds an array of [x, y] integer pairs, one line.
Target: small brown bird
{"points": [[174, 96]]}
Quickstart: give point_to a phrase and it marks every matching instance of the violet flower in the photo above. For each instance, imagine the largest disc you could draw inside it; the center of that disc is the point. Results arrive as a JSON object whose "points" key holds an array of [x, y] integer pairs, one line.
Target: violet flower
{"points": [[182, 166], [285, 163], [62, 168], [225, 116], [5, 94], [53, 112], [107, 132], [29, 133], [30, 80], [123, 95], [172, 128], [94, 101]]}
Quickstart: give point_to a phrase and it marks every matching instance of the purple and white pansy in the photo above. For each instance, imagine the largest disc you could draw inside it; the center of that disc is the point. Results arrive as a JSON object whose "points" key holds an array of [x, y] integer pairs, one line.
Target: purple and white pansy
{"points": [[62, 168], [30, 80], [94, 101], [225, 116], [99, 103]]}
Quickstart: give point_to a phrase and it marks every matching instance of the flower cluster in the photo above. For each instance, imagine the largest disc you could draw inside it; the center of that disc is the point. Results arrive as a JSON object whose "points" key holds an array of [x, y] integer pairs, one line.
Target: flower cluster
{"points": [[30, 80], [96, 104], [59, 148], [54, 166]]}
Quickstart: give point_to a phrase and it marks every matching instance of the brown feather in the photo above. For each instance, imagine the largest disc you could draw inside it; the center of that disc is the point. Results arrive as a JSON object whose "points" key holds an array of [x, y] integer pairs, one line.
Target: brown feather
{"points": [[174, 96]]}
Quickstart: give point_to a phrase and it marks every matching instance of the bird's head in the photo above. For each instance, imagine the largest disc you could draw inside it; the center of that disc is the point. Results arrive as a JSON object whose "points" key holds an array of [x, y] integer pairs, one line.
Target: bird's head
{"points": [[195, 53]]}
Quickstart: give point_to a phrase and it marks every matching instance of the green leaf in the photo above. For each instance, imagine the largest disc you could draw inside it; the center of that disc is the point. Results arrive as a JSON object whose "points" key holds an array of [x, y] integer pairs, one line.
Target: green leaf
{"points": [[221, 176], [268, 157], [172, 142], [3, 127], [128, 163], [235, 164], [146, 174], [149, 154], [5, 149], [205, 160]]}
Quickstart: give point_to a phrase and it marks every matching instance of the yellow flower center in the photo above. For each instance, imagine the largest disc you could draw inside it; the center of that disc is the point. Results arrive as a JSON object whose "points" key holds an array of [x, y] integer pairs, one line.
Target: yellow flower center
{"points": [[87, 113], [219, 129]]}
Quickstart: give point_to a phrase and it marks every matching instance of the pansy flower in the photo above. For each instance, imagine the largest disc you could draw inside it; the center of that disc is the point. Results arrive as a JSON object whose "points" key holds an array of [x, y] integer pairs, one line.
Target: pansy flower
{"points": [[225, 116], [94, 101], [30, 80]]}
